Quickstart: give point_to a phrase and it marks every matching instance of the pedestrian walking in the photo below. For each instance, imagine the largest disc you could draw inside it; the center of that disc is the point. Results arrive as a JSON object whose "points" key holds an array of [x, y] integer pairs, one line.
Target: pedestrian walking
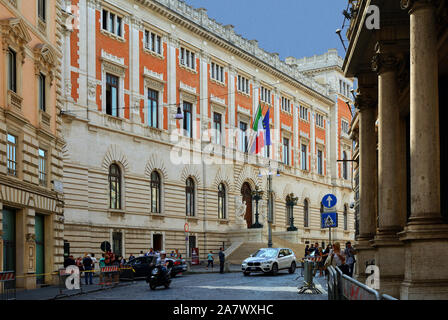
{"points": [[88, 269], [209, 260], [350, 257], [320, 264], [222, 259], [336, 258]]}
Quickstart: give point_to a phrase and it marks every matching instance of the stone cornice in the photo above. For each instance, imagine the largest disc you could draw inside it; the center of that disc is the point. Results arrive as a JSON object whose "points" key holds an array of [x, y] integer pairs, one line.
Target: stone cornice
{"points": [[197, 21]]}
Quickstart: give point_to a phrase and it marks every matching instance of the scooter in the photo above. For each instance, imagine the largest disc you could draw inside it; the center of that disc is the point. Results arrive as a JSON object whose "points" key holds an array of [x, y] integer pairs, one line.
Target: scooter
{"points": [[158, 277]]}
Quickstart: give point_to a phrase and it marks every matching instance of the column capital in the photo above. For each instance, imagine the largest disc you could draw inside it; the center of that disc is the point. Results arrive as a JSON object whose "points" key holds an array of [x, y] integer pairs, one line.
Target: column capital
{"points": [[364, 100], [387, 57], [412, 5]]}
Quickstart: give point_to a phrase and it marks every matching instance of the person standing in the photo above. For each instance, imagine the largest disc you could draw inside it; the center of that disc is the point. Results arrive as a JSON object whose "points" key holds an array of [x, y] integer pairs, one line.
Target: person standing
{"points": [[209, 260], [350, 257], [102, 264], [88, 267], [222, 259], [131, 257], [307, 250]]}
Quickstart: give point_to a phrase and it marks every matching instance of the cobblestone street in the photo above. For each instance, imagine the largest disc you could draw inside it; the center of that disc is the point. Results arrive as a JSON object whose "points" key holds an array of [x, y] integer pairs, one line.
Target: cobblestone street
{"points": [[212, 286]]}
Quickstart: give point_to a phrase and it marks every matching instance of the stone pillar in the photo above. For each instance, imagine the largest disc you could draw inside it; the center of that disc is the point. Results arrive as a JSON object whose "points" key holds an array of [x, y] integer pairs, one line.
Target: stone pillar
{"points": [[368, 171], [426, 275], [390, 218]]}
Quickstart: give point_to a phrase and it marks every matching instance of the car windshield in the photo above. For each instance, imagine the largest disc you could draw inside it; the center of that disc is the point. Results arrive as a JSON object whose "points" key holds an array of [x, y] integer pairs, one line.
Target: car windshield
{"points": [[265, 253]]}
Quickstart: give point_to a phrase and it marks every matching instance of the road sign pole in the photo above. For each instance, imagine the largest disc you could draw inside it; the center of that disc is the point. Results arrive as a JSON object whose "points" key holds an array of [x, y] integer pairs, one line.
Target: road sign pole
{"points": [[329, 234]]}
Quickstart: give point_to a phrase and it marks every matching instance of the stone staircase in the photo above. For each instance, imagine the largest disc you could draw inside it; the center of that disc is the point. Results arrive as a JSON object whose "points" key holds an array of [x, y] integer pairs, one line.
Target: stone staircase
{"points": [[298, 248]]}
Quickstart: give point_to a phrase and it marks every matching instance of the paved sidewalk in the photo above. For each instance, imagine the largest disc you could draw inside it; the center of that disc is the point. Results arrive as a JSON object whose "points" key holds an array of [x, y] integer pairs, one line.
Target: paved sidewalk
{"points": [[52, 292]]}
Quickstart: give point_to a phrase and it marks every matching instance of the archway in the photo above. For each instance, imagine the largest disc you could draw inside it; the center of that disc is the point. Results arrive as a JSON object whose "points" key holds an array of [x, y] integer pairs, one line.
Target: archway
{"points": [[246, 192]]}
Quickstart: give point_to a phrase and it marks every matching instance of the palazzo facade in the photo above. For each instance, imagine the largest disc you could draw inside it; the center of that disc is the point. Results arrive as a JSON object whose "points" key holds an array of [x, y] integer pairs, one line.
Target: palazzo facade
{"points": [[135, 176], [31, 200]]}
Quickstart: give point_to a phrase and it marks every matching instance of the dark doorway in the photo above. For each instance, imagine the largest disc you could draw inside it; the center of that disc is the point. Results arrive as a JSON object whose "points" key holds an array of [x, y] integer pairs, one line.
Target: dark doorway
{"points": [[157, 240], [443, 129], [246, 192], [191, 244], [39, 226], [117, 247], [9, 240]]}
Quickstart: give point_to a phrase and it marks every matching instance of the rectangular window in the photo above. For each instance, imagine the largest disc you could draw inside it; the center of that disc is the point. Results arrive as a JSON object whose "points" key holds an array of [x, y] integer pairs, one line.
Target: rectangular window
{"points": [[11, 155], [319, 162], [42, 92], [286, 151], [112, 95], [218, 127], [188, 107], [42, 167], [286, 105], [243, 137], [304, 113], [243, 84], [344, 126], [303, 157], [112, 23], [12, 70], [187, 58], [265, 95], [41, 8], [153, 42], [153, 108], [217, 72], [319, 120]]}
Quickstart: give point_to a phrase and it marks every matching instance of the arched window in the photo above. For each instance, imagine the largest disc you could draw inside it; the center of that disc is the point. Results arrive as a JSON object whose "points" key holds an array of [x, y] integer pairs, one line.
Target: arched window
{"points": [[305, 213], [344, 166], [115, 186], [221, 201], [345, 217], [155, 192], [189, 195]]}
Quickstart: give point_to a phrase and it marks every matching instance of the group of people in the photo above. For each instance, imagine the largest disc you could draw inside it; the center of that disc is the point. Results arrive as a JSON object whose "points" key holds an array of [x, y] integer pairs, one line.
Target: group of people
{"points": [[88, 263], [333, 255], [222, 259]]}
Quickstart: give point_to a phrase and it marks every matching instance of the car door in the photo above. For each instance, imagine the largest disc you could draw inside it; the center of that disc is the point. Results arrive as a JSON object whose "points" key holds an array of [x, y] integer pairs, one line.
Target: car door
{"points": [[139, 267], [281, 259]]}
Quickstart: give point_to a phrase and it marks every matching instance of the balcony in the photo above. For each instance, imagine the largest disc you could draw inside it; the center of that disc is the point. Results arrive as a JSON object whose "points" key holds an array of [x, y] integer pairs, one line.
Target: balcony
{"points": [[14, 101]]}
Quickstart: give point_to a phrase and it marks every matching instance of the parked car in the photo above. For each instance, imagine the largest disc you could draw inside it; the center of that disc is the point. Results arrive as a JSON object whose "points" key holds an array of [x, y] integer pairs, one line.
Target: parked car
{"points": [[179, 266], [139, 267], [270, 260]]}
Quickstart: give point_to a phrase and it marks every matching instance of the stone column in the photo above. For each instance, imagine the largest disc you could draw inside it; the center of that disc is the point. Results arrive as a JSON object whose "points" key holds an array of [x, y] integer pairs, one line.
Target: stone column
{"points": [[426, 275], [390, 216], [366, 102]]}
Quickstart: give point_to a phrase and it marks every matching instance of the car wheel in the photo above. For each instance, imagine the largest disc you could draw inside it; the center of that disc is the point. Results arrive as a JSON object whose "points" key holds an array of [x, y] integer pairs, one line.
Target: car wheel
{"points": [[274, 269], [246, 273], [292, 269]]}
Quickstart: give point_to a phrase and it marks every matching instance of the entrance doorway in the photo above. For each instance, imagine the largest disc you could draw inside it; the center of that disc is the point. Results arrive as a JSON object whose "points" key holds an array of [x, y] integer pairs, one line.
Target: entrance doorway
{"points": [[157, 242], [39, 227], [9, 240], [117, 240], [246, 192], [191, 244]]}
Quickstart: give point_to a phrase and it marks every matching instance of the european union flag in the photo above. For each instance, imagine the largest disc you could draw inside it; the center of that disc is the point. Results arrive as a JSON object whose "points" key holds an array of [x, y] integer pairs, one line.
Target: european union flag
{"points": [[267, 129]]}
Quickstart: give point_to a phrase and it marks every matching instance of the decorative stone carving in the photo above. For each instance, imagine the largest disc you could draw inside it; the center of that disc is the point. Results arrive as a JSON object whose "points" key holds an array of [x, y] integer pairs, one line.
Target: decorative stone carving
{"points": [[91, 90], [14, 32]]}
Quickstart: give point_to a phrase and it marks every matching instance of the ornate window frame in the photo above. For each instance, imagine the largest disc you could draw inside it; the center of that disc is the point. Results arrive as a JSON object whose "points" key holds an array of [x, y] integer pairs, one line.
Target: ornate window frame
{"points": [[153, 81], [115, 66], [15, 35], [189, 95]]}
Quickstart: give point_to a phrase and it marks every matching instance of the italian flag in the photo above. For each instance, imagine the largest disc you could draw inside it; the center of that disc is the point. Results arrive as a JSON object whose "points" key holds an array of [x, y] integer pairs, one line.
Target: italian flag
{"points": [[258, 144]]}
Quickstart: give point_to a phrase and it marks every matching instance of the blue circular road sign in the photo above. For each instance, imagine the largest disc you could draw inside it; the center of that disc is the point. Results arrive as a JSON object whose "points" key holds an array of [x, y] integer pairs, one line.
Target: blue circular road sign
{"points": [[329, 201]]}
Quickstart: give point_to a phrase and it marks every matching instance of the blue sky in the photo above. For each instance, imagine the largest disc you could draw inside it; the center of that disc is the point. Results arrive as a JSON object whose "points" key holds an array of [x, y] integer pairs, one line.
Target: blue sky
{"points": [[290, 27]]}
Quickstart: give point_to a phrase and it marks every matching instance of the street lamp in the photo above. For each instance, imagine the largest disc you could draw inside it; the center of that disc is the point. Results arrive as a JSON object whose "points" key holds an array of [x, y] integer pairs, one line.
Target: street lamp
{"points": [[291, 201], [257, 195]]}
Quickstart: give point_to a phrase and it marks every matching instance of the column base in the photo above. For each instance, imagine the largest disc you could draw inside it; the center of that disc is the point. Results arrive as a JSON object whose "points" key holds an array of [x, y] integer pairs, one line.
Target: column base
{"points": [[426, 275], [389, 259], [365, 255]]}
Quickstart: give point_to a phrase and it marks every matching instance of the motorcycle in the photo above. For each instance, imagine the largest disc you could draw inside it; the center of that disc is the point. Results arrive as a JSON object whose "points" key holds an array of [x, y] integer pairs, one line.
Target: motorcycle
{"points": [[160, 277]]}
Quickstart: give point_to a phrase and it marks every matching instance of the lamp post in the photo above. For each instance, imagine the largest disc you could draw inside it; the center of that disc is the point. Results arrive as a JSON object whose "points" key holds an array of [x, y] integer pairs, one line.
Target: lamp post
{"points": [[257, 195], [291, 201]]}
